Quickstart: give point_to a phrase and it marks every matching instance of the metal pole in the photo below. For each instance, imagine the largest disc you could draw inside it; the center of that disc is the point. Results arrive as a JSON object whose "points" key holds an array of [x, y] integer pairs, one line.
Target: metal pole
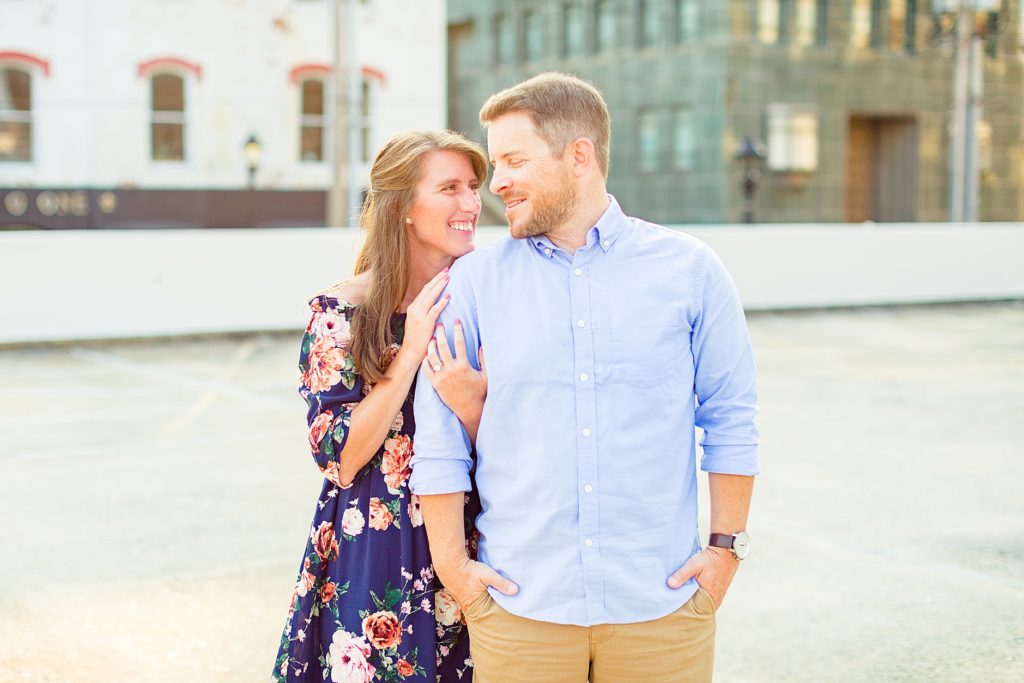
{"points": [[355, 117], [958, 138], [337, 195], [972, 167], [749, 185]]}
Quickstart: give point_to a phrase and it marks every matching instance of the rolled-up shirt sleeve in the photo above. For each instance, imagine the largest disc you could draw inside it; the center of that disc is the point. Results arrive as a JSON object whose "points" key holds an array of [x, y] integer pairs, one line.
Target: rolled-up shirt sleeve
{"points": [[725, 379], [441, 460]]}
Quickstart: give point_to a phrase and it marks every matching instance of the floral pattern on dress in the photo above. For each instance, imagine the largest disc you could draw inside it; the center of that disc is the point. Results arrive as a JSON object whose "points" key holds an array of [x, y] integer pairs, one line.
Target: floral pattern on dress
{"points": [[366, 605]]}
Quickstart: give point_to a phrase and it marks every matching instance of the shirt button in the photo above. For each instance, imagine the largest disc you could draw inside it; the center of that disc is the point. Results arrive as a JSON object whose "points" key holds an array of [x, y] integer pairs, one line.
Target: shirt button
{"points": [[589, 542], [581, 323], [578, 271], [606, 243], [588, 488], [586, 431], [584, 377], [547, 252]]}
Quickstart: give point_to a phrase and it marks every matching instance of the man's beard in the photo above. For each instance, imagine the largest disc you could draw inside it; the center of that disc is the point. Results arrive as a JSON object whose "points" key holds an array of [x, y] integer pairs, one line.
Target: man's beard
{"points": [[548, 211]]}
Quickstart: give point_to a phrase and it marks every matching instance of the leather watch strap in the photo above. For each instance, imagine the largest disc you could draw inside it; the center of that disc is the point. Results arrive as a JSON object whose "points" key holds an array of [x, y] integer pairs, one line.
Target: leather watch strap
{"points": [[721, 540]]}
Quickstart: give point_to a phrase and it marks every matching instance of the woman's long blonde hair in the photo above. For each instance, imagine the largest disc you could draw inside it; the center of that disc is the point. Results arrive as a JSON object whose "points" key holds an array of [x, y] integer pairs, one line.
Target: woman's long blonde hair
{"points": [[393, 178]]}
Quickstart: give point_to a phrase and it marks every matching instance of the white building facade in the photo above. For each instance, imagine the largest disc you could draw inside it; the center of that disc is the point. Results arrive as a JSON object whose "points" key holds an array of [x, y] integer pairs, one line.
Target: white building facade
{"points": [[100, 99]]}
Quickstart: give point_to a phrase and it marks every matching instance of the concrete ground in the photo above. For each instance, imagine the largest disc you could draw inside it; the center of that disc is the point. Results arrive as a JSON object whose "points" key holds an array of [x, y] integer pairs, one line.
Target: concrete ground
{"points": [[156, 499]]}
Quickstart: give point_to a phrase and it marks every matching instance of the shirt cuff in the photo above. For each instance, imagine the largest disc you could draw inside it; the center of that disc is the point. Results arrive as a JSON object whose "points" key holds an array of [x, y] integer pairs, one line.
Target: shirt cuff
{"points": [[741, 460], [431, 477]]}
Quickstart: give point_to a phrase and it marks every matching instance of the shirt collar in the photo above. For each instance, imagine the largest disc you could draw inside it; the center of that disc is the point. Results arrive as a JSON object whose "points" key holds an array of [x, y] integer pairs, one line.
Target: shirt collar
{"points": [[609, 226], [543, 245], [607, 229]]}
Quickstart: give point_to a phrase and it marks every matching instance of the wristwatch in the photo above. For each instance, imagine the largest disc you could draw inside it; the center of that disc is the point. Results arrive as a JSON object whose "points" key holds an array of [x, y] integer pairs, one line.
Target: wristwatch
{"points": [[738, 543]]}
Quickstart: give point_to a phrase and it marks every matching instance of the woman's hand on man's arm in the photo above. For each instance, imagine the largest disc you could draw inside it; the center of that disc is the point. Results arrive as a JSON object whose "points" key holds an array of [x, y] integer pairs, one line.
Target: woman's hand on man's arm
{"points": [[462, 387]]}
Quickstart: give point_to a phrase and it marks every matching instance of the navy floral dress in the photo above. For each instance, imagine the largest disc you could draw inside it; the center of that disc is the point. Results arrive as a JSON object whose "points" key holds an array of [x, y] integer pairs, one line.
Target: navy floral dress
{"points": [[366, 605]]}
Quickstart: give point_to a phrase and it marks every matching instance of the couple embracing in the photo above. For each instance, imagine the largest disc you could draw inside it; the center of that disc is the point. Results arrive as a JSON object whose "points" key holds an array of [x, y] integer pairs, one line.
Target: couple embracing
{"points": [[507, 435]]}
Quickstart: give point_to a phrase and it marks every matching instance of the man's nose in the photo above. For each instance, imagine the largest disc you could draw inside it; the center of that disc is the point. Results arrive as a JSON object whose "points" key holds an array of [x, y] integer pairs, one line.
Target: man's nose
{"points": [[499, 183]]}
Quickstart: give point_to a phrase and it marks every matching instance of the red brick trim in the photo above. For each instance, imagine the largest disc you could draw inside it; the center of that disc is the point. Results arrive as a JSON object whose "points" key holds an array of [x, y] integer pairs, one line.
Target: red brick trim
{"points": [[376, 74], [26, 59], [145, 68], [323, 70], [311, 69]]}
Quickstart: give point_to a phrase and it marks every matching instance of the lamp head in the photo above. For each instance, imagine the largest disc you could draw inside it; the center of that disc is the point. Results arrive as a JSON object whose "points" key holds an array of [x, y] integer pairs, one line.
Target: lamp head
{"points": [[253, 151], [751, 150]]}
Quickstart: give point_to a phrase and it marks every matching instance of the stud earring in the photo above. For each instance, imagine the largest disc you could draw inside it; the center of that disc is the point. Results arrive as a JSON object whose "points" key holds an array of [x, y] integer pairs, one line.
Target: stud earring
{"points": [[408, 221]]}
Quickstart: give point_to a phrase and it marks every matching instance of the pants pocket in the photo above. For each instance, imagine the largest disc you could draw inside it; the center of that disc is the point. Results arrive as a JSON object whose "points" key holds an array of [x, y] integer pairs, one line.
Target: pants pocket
{"points": [[703, 601], [474, 608]]}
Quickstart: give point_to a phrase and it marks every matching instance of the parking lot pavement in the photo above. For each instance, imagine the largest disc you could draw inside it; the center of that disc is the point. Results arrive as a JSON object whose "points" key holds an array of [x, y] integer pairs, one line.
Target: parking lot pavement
{"points": [[157, 496]]}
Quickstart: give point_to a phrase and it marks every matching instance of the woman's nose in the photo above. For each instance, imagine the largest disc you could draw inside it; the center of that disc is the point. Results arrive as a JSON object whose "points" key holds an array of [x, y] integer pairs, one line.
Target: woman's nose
{"points": [[469, 201]]}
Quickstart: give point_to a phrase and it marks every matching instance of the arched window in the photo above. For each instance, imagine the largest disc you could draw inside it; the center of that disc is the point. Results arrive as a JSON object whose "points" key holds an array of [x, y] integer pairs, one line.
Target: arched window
{"points": [[604, 26], [313, 122], [769, 16], [533, 34], [1020, 27], [15, 114], [573, 30], [504, 39], [372, 80], [806, 29], [650, 22], [648, 141], [167, 127], [684, 140], [861, 22], [687, 20], [365, 99]]}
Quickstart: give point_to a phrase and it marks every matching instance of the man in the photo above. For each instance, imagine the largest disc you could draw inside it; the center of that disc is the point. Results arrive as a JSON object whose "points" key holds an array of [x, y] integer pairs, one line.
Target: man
{"points": [[607, 341]]}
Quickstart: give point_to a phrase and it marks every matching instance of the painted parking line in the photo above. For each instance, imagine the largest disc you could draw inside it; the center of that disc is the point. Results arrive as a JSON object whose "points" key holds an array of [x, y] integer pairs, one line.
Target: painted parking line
{"points": [[178, 423], [220, 388], [150, 446], [950, 571]]}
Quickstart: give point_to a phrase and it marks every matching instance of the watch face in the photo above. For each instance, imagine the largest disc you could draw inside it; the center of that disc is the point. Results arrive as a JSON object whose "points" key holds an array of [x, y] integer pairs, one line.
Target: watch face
{"points": [[741, 545]]}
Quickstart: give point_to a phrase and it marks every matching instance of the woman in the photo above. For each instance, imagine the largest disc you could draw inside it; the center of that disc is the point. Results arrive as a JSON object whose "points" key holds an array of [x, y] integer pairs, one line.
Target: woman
{"points": [[366, 604]]}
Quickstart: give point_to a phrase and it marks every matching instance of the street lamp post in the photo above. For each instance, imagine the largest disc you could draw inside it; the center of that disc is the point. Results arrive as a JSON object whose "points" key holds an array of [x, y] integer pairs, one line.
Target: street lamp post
{"points": [[342, 196], [751, 153], [968, 94], [253, 151]]}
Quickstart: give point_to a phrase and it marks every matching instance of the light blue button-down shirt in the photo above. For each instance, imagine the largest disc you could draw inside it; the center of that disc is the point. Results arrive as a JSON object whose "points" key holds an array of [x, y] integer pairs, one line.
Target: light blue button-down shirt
{"points": [[600, 364]]}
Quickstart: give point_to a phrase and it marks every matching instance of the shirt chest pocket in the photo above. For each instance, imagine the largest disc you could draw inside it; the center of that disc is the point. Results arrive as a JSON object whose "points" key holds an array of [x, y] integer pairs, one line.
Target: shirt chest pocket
{"points": [[647, 345]]}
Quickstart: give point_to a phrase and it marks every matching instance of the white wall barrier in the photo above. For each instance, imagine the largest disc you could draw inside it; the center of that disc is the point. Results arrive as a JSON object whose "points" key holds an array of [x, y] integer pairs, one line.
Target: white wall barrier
{"points": [[76, 285]]}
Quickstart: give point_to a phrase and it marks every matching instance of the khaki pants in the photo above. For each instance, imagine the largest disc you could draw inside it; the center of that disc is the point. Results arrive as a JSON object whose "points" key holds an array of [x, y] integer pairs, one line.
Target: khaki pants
{"points": [[677, 648]]}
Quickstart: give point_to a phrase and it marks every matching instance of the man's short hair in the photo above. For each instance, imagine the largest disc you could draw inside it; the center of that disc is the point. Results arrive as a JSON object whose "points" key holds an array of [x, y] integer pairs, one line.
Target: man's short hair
{"points": [[563, 108]]}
